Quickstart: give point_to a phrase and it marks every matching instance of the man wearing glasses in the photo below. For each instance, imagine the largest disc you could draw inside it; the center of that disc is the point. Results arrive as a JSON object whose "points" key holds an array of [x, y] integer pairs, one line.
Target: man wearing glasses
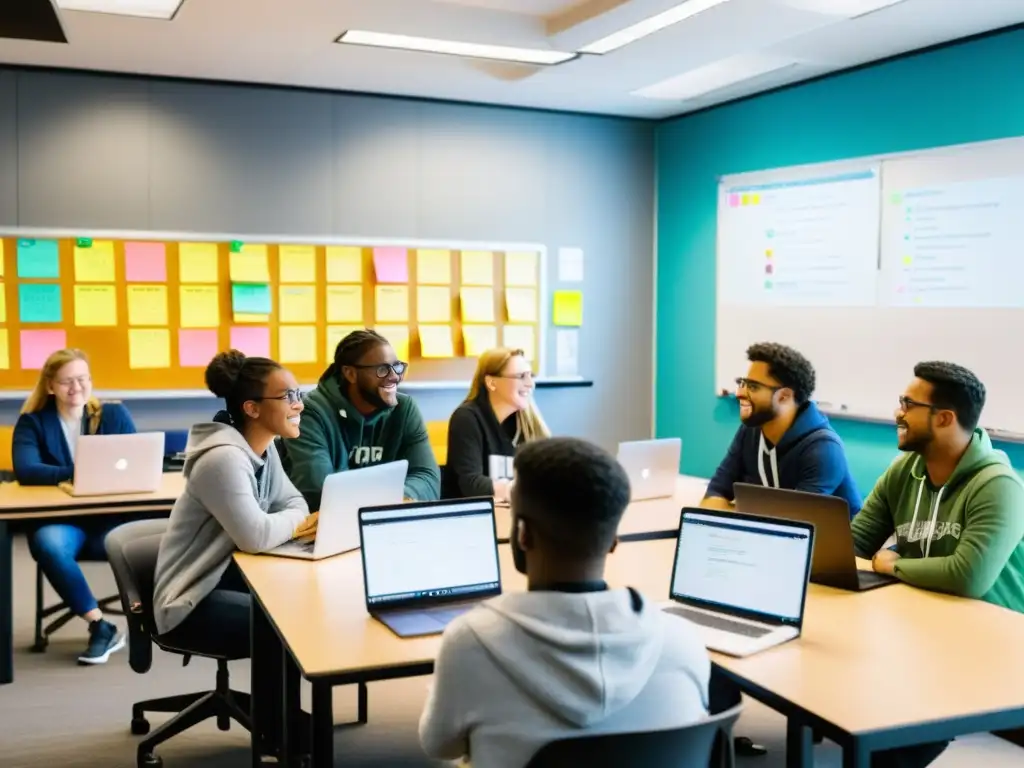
{"points": [[357, 418]]}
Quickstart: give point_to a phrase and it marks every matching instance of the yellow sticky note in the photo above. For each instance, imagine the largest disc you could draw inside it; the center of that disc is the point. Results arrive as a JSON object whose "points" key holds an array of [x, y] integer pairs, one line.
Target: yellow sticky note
{"points": [[3, 302], [200, 306], [477, 268], [521, 268], [147, 305], [477, 305], [344, 303], [479, 338], [521, 304], [149, 348], [344, 264], [436, 341], [297, 263], [398, 338], [248, 317], [522, 337], [198, 263], [392, 303], [433, 304], [335, 333], [297, 344], [433, 267], [297, 304], [5, 350], [249, 265], [95, 306], [96, 263], [568, 308]]}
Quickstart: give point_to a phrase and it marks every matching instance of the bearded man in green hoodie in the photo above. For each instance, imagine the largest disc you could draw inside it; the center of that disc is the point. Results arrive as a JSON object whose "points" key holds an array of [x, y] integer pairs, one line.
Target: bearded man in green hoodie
{"points": [[356, 418]]}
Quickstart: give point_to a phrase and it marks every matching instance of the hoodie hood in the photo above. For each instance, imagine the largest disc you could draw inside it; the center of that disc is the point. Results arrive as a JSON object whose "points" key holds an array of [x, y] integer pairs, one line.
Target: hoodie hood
{"points": [[203, 437], [581, 657], [809, 419], [359, 431]]}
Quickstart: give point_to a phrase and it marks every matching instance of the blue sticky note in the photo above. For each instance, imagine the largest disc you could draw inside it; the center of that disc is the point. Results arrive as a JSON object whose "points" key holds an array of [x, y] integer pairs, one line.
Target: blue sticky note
{"points": [[38, 258], [250, 298], [39, 303]]}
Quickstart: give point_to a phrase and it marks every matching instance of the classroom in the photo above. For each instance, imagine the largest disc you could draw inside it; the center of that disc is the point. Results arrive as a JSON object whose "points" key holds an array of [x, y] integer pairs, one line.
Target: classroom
{"points": [[627, 195]]}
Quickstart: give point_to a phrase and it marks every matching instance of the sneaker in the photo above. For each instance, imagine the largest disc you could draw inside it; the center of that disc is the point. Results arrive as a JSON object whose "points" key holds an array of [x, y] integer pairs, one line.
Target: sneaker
{"points": [[745, 747], [104, 639]]}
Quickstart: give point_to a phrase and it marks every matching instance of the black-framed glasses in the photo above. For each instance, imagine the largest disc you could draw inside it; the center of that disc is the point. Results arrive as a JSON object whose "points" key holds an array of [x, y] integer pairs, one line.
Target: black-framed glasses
{"points": [[383, 369], [906, 403], [752, 385], [293, 396]]}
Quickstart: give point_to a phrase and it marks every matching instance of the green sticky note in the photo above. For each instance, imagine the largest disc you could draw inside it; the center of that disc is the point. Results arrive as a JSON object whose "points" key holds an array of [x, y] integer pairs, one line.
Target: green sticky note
{"points": [[236, 246], [85, 242], [250, 298], [38, 259]]}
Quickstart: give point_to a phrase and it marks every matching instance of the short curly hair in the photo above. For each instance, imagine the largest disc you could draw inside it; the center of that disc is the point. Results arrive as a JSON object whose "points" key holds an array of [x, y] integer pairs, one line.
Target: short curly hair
{"points": [[786, 366], [954, 388]]}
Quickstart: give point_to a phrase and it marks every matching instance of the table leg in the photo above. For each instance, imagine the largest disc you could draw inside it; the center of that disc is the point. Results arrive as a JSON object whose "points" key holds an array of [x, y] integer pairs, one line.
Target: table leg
{"points": [[855, 756], [323, 726], [295, 725], [6, 606], [266, 685], [799, 747]]}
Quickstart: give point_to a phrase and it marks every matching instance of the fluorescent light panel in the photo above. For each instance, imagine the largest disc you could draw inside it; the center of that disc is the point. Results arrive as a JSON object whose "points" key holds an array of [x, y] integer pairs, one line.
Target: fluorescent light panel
{"points": [[650, 25], [714, 77], [455, 48], [148, 9], [846, 9]]}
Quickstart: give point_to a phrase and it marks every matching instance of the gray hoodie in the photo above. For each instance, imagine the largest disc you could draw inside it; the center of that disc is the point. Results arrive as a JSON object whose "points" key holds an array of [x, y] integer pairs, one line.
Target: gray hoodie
{"points": [[224, 508], [528, 668]]}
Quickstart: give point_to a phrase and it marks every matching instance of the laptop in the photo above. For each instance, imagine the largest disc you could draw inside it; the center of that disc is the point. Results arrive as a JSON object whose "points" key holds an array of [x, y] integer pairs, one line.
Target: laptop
{"points": [[426, 563], [107, 465], [741, 579], [337, 529], [834, 563], [652, 467]]}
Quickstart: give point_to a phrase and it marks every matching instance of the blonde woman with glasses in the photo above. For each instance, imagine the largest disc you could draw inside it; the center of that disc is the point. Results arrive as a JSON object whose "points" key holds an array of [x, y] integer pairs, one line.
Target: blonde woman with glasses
{"points": [[497, 416]]}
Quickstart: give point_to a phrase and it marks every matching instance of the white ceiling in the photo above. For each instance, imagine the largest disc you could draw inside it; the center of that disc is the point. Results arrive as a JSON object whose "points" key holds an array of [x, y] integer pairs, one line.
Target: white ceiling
{"points": [[291, 42]]}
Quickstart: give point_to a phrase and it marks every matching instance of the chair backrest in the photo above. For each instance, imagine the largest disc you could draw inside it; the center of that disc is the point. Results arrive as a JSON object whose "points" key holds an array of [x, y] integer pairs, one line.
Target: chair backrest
{"points": [[437, 434], [175, 441], [6, 449], [686, 747]]}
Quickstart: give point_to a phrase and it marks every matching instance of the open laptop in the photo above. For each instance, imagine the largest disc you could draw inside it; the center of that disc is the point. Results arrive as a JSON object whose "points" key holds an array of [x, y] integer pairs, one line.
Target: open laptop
{"points": [[652, 467], [834, 562], [107, 465], [337, 529], [425, 563], [741, 579]]}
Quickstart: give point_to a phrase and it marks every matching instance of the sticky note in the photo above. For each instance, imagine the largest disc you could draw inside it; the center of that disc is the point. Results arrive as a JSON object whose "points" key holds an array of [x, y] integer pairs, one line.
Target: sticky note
{"points": [[568, 308], [5, 350], [433, 267], [477, 305], [521, 337], [149, 348], [250, 298], [477, 268], [344, 303], [3, 303], [95, 306], [200, 306], [436, 341], [38, 258], [433, 304], [734, 200], [344, 264], [520, 268], [252, 340], [40, 303], [521, 305], [398, 338], [391, 303], [196, 348], [335, 333], [198, 263], [36, 346], [479, 338], [145, 263], [249, 265], [745, 199], [297, 304], [391, 265], [95, 264], [297, 344], [147, 305], [248, 317], [297, 263], [755, 199]]}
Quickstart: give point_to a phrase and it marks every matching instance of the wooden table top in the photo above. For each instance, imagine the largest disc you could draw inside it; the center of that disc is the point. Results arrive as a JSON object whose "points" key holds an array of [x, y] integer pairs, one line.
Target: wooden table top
{"points": [[28, 501]]}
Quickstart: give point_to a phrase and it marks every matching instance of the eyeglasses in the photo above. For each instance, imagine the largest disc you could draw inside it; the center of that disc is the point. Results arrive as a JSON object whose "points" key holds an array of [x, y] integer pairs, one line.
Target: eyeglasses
{"points": [[293, 396], [907, 403], [383, 369], [81, 381], [520, 376], [754, 386]]}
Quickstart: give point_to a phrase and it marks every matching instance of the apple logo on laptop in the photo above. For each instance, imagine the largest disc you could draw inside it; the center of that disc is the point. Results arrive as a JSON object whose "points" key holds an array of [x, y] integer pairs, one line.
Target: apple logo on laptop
{"points": [[122, 464], [645, 473]]}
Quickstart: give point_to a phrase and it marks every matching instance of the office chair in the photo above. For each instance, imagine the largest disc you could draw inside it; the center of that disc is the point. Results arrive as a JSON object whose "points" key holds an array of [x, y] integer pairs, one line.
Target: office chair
{"points": [[687, 747], [108, 605], [132, 550]]}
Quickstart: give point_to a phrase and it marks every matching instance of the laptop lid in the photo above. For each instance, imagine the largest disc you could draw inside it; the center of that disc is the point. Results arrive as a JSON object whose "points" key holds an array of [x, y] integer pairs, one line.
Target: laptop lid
{"points": [[743, 565], [344, 493], [429, 553], [111, 464], [652, 466]]}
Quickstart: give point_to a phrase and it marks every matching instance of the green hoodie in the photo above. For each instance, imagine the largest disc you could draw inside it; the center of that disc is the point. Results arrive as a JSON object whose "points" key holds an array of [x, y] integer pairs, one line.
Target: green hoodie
{"points": [[964, 538], [334, 437]]}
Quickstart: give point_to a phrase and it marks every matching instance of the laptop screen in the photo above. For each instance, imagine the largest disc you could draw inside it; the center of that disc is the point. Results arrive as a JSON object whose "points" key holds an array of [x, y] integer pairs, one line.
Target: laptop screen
{"points": [[735, 562], [437, 550]]}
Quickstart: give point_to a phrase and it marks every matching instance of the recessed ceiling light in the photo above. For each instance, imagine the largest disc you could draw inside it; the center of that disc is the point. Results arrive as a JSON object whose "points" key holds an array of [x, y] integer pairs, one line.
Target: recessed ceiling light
{"points": [[650, 25], [148, 9], [714, 77], [847, 9], [538, 56]]}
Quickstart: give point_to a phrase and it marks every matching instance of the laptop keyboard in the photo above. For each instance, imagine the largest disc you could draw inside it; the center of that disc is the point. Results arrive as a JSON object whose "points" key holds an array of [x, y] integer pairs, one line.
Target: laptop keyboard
{"points": [[718, 622]]}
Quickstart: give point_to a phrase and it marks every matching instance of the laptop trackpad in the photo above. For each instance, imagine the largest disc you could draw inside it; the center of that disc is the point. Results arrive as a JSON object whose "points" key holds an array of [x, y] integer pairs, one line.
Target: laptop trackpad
{"points": [[418, 623]]}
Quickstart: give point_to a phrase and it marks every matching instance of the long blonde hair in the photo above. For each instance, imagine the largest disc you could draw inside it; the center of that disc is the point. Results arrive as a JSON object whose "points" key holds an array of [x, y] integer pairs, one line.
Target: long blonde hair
{"points": [[41, 395], [530, 423]]}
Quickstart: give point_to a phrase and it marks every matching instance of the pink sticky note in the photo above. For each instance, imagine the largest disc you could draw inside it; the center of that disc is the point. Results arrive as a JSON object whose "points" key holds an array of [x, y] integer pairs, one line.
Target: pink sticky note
{"points": [[734, 201], [391, 265], [36, 346], [196, 348], [254, 341], [145, 263]]}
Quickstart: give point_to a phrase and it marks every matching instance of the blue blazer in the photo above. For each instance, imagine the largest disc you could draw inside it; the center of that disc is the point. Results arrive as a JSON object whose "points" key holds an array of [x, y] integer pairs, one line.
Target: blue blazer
{"points": [[40, 452]]}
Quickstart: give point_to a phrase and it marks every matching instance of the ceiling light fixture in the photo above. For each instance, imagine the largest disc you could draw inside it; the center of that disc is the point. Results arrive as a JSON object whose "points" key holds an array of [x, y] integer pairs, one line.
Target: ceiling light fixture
{"points": [[650, 25], [714, 77], [538, 56], [147, 9], [847, 9]]}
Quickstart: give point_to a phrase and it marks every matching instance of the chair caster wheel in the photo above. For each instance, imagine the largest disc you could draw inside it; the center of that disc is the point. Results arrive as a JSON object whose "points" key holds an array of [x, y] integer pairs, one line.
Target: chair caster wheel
{"points": [[140, 726], [149, 760]]}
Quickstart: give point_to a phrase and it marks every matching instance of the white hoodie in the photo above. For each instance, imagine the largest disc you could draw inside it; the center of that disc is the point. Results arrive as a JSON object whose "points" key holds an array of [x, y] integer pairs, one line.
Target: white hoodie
{"points": [[528, 668]]}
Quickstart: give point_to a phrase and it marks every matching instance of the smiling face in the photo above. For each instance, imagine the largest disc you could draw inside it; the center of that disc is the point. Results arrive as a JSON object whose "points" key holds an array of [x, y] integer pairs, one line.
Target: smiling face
{"points": [[757, 394], [514, 385], [374, 379], [72, 385], [915, 418], [279, 410]]}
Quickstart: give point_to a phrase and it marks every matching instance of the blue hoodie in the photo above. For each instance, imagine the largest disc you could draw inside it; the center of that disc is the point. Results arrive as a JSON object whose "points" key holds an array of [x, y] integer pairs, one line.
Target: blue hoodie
{"points": [[810, 457]]}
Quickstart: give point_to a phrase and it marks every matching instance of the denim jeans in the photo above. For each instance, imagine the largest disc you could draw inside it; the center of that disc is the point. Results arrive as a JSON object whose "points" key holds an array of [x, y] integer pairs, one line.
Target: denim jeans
{"points": [[219, 624]]}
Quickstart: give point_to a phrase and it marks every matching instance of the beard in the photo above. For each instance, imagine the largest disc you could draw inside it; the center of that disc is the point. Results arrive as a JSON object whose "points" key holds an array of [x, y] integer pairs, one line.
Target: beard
{"points": [[759, 415], [372, 396], [916, 443]]}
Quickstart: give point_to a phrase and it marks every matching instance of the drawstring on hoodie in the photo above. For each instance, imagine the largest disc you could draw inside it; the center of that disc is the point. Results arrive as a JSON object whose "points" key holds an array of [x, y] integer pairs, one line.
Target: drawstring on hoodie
{"points": [[917, 504], [762, 450]]}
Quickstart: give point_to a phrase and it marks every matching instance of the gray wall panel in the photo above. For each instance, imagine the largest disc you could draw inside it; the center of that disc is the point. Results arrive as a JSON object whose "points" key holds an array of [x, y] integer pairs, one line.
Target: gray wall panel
{"points": [[8, 149]]}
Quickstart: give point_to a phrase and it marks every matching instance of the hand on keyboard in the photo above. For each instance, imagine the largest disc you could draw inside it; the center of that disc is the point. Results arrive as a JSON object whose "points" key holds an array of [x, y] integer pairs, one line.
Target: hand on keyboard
{"points": [[307, 528]]}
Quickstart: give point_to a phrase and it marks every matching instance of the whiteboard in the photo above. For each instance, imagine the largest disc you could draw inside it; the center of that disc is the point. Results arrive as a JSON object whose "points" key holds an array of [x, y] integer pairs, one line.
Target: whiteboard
{"points": [[876, 264]]}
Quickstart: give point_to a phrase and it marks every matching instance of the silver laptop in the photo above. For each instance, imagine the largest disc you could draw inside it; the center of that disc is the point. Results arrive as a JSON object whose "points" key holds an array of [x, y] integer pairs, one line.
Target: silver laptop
{"points": [[425, 563], [337, 529], [741, 579], [107, 465], [652, 466]]}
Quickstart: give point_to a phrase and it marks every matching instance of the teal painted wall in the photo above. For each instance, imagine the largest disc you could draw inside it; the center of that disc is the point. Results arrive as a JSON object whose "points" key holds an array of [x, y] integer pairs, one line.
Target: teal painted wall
{"points": [[956, 94]]}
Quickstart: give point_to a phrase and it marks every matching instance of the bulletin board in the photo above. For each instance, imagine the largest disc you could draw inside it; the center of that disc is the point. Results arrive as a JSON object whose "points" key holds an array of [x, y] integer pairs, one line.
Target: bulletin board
{"points": [[151, 309]]}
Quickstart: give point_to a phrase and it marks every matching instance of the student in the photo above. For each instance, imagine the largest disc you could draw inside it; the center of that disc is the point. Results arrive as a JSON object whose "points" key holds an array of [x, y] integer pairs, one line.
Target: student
{"points": [[237, 497], [60, 408], [497, 415], [569, 657], [356, 417]]}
